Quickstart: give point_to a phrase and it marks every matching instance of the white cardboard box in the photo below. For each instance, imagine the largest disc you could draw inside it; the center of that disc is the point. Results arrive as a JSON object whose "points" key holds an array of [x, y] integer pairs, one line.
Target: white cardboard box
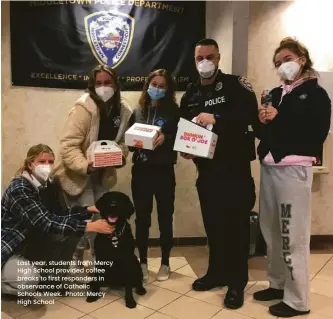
{"points": [[194, 139], [105, 153], [142, 136]]}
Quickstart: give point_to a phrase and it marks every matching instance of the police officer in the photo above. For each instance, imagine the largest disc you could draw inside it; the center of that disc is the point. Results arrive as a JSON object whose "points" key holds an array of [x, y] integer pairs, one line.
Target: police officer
{"points": [[225, 184]]}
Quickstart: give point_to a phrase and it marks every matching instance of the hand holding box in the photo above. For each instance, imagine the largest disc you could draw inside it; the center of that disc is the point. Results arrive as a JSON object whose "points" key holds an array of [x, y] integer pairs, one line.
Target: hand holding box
{"points": [[194, 139], [142, 136], [105, 153]]}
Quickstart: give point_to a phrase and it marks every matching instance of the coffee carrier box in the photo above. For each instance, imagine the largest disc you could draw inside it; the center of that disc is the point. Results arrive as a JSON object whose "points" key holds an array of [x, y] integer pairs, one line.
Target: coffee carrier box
{"points": [[105, 153], [142, 136], [194, 139]]}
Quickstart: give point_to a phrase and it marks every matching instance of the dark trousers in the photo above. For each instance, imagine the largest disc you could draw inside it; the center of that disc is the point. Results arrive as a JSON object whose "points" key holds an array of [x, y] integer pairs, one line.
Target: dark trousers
{"points": [[46, 247], [225, 205], [149, 181]]}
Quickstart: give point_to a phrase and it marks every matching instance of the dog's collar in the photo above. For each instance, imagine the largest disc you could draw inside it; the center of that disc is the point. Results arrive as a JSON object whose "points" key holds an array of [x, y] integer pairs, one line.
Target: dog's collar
{"points": [[115, 236]]}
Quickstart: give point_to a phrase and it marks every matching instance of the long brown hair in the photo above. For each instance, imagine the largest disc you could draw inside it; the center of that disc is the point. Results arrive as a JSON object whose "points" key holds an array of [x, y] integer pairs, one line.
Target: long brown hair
{"points": [[33, 152], [92, 81], [300, 50], [170, 96]]}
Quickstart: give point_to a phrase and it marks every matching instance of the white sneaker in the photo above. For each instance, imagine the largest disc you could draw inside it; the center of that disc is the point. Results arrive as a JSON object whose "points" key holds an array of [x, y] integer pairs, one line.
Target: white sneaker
{"points": [[163, 273], [145, 273]]}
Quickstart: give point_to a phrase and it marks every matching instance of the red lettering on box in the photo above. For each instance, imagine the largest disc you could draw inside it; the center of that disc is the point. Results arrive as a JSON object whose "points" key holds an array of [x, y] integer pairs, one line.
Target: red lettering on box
{"points": [[144, 129]]}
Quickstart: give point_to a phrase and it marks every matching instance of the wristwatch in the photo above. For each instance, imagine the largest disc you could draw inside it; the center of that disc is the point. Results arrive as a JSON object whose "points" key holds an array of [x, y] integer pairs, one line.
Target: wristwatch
{"points": [[217, 116]]}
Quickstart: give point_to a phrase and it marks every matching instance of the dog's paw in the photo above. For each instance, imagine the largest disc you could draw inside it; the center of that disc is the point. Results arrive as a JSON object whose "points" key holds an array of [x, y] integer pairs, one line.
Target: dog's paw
{"points": [[130, 303], [92, 298], [141, 291]]}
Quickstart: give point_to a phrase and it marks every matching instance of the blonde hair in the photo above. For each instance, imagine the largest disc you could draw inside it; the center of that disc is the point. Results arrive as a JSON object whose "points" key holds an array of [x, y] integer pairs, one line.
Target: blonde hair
{"points": [[33, 152], [300, 50]]}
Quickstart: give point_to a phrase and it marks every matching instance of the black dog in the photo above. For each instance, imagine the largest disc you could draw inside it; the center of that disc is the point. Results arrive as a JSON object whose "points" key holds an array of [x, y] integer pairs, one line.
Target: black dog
{"points": [[118, 249]]}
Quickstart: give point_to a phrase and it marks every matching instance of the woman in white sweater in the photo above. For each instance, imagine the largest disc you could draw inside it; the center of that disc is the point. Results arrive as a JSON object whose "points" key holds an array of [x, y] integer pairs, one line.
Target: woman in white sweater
{"points": [[99, 114]]}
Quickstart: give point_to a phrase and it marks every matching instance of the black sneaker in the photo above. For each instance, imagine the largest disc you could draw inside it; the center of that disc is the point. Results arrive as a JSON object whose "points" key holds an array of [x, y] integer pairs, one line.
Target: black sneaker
{"points": [[234, 298], [284, 311], [268, 294], [206, 283]]}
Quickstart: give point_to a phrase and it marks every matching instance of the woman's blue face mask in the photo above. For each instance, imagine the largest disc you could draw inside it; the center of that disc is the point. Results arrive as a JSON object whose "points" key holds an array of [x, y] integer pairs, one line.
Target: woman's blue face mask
{"points": [[155, 93]]}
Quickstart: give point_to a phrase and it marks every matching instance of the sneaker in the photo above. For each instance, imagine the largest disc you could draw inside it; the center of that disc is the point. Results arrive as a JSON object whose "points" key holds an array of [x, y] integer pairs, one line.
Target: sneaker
{"points": [[284, 311], [268, 294], [163, 273], [145, 273]]}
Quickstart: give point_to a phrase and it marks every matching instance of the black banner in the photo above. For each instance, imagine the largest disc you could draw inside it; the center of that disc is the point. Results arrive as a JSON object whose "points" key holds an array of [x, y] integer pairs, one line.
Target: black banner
{"points": [[56, 43]]}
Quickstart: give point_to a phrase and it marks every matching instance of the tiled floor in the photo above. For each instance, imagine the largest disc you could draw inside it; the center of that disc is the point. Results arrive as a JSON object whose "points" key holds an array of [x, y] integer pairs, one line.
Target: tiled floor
{"points": [[175, 299]]}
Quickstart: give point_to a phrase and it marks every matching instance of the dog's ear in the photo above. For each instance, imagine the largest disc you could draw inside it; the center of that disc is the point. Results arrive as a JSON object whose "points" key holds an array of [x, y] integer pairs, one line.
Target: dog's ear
{"points": [[125, 205]]}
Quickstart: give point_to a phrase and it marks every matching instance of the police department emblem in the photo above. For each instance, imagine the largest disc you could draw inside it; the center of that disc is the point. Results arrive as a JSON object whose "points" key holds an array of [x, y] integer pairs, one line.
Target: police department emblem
{"points": [[244, 82], [218, 86], [109, 35], [116, 121]]}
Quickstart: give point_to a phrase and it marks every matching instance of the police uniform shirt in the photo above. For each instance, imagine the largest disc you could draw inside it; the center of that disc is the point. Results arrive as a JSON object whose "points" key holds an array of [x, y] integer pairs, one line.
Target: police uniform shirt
{"points": [[233, 102]]}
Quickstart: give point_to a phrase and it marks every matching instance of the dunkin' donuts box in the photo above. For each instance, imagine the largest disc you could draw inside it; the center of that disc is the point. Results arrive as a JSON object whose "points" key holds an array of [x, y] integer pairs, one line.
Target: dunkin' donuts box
{"points": [[105, 153], [142, 136], [194, 139]]}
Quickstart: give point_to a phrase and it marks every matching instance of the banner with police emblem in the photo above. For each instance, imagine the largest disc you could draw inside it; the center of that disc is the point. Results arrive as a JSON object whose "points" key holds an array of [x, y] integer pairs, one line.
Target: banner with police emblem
{"points": [[56, 43]]}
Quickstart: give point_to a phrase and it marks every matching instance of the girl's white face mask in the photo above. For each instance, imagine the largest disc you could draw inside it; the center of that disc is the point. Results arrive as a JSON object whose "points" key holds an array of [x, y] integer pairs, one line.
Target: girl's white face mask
{"points": [[42, 172], [105, 92], [289, 70]]}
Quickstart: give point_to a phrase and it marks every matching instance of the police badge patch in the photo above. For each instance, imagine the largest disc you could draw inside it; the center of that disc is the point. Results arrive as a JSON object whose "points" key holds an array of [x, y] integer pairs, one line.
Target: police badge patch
{"points": [[218, 86], [109, 35], [244, 82]]}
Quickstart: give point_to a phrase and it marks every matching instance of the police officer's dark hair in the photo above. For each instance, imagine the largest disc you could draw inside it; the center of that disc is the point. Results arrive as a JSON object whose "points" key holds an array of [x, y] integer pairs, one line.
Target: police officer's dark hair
{"points": [[170, 96], [208, 41], [300, 50]]}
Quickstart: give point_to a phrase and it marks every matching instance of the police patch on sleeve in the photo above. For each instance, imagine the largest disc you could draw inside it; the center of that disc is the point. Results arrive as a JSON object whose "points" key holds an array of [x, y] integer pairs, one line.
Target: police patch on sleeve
{"points": [[244, 82]]}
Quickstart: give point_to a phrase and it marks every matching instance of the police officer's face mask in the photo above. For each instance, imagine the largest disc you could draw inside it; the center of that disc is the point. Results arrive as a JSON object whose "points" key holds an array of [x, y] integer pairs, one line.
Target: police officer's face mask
{"points": [[206, 68]]}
